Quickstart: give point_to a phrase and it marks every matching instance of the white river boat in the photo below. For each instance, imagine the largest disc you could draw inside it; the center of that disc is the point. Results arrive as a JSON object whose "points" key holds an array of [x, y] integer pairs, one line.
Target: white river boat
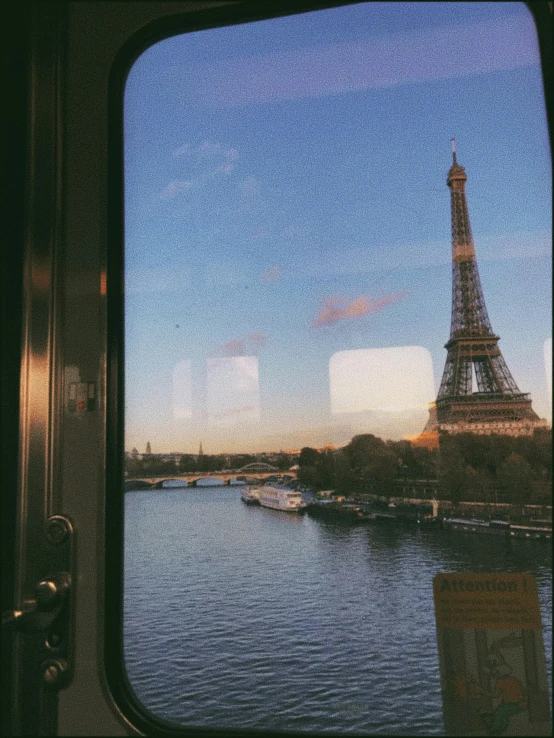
{"points": [[281, 498]]}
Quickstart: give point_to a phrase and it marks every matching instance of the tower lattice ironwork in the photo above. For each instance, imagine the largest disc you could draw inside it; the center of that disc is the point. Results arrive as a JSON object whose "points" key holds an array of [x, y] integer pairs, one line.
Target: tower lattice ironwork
{"points": [[477, 392]]}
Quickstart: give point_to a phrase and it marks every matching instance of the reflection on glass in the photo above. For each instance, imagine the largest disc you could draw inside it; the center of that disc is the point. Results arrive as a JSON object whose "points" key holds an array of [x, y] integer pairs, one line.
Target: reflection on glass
{"points": [[233, 390], [288, 300], [390, 379]]}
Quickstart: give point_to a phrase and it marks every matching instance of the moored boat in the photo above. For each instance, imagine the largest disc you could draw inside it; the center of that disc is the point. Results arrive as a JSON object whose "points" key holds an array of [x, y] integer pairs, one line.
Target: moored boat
{"points": [[251, 496], [499, 527], [534, 532], [280, 497], [476, 525]]}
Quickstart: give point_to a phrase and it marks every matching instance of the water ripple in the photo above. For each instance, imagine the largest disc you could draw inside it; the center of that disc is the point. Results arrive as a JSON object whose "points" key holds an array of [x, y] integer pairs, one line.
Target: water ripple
{"points": [[243, 617]]}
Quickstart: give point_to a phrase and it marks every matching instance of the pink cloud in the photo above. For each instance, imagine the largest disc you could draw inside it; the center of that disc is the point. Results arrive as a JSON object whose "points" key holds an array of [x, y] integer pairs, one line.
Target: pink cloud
{"points": [[335, 308], [233, 347], [272, 274], [250, 344], [255, 341]]}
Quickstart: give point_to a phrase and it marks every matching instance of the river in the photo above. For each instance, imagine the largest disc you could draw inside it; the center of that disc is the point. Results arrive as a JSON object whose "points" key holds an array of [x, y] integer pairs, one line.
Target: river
{"points": [[245, 617]]}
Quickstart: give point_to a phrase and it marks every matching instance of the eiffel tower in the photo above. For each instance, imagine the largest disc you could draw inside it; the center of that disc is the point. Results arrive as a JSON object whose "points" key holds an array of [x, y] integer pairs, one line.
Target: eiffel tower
{"points": [[495, 405]]}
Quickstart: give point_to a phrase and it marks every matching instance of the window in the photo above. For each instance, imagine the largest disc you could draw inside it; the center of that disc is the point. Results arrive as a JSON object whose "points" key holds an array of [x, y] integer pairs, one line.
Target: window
{"points": [[288, 287]]}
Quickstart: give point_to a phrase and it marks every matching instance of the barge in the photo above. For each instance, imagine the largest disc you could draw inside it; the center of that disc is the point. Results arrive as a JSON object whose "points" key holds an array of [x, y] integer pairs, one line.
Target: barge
{"points": [[499, 528]]}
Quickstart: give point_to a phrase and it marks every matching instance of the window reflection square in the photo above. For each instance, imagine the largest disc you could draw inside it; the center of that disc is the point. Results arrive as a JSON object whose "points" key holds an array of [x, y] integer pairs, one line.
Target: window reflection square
{"points": [[383, 379], [233, 392]]}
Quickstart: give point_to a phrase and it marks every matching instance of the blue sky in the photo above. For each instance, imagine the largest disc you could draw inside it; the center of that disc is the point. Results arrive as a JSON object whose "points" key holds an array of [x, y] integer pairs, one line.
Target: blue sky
{"points": [[288, 222]]}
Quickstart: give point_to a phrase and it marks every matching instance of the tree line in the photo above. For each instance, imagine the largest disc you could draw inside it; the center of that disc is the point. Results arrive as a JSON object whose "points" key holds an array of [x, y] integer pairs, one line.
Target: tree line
{"points": [[154, 466], [468, 467], [497, 468]]}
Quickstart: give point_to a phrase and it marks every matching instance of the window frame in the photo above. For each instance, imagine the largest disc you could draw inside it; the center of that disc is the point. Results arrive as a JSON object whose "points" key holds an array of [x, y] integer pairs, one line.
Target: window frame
{"points": [[210, 17]]}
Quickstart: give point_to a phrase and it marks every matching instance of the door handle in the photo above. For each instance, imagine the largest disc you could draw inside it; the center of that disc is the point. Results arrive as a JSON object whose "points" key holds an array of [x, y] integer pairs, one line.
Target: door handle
{"points": [[38, 615]]}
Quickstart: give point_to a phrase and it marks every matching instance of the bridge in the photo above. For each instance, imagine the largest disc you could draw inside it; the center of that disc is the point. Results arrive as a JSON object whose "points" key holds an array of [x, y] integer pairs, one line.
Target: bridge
{"points": [[223, 478]]}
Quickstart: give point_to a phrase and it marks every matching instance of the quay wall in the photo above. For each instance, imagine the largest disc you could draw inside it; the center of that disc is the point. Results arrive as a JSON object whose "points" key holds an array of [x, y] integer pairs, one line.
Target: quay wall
{"points": [[447, 508]]}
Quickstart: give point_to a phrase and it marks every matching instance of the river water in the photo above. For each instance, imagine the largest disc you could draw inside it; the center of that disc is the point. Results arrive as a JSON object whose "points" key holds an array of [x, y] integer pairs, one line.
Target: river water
{"points": [[244, 617]]}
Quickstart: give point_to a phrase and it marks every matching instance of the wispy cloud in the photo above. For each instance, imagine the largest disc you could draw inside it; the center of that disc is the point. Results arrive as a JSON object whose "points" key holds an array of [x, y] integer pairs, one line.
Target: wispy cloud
{"points": [[213, 149], [249, 186], [416, 255], [233, 347], [376, 62], [174, 188], [336, 308], [225, 168], [272, 274], [206, 161], [257, 234], [209, 148], [250, 344], [181, 150], [256, 341]]}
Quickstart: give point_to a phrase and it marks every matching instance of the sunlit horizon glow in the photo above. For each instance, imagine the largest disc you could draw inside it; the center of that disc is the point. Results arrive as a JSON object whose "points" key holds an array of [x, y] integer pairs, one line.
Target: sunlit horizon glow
{"points": [[287, 220]]}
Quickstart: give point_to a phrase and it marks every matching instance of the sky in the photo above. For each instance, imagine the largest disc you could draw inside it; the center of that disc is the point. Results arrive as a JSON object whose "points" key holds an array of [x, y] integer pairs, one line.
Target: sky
{"points": [[287, 221]]}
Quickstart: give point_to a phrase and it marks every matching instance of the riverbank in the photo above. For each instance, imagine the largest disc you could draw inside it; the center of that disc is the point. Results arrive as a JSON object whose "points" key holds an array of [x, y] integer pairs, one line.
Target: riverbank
{"points": [[515, 521], [448, 509]]}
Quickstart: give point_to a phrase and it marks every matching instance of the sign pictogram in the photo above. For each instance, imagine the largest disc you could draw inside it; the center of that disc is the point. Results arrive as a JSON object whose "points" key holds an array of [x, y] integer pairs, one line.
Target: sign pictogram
{"points": [[491, 653]]}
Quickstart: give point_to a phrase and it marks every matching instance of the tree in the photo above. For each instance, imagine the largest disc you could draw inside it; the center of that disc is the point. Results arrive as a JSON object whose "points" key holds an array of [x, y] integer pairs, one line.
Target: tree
{"points": [[308, 457], [187, 463], [308, 476], [361, 449], [325, 468], [453, 470], [283, 462], [372, 461], [344, 479], [516, 477]]}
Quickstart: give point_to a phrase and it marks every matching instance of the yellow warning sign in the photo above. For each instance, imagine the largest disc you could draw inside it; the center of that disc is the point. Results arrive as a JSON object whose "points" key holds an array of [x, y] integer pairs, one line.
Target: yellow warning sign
{"points": [[491, 655], [487, 601]]}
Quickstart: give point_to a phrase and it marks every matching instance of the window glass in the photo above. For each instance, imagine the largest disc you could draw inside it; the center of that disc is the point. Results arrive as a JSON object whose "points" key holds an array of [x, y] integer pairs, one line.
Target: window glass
{"points": [[294, 265]]}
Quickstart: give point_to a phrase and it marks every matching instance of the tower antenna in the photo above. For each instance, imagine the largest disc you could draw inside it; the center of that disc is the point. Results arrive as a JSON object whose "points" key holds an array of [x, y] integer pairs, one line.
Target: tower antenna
{"points": [[453, 142]]}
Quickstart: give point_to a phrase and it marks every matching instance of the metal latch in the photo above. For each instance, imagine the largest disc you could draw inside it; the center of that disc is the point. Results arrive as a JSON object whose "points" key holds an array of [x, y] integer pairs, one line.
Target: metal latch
{"points": [[40, 613], [48, 612]]}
